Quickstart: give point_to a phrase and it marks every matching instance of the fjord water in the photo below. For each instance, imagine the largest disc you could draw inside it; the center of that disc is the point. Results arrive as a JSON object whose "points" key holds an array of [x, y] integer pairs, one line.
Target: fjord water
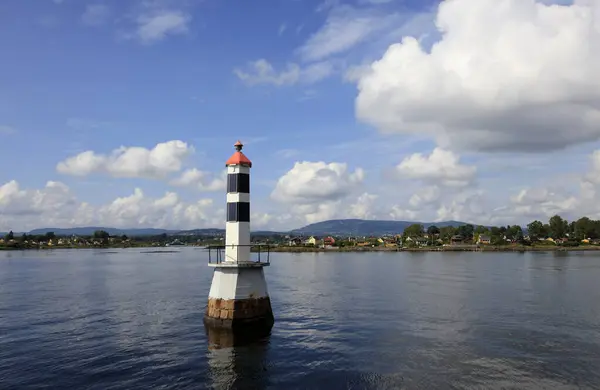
{"points": [[106, 319]]}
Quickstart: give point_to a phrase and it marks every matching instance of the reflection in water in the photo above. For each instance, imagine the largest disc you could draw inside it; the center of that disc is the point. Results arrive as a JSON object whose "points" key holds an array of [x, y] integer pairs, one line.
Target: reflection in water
{"points": [[238, 359], [220, 338]]}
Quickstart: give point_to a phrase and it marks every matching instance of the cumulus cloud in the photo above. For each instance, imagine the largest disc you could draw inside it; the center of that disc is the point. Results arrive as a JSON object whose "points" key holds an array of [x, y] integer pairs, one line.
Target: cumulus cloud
{"points": [[19, 202], [467, 206], [424, 196], [317, 191], [400, 213], [130, 162], [262, 72], [201, 180], [56, 205], [507, 75], [542, 202], [441, 166], [364, 207], [313, 182], [572, 202], [168, 211]]}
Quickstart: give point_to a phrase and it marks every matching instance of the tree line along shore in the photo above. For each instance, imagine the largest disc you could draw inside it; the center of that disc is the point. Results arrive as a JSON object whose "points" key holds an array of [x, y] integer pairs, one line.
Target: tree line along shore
{"points": [[556, 234]]}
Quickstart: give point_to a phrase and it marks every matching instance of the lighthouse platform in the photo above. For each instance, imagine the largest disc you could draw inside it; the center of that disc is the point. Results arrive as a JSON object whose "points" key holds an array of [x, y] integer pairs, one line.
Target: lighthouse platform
{"points": [[238, 297]]}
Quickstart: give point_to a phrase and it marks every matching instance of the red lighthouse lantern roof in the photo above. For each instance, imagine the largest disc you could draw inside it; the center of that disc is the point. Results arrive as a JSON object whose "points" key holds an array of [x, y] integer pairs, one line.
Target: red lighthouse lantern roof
{"points": [[239, 158]]}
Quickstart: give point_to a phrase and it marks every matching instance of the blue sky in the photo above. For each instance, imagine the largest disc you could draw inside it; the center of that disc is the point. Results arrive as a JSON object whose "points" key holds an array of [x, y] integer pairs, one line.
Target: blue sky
{"points": [[304, 84]]}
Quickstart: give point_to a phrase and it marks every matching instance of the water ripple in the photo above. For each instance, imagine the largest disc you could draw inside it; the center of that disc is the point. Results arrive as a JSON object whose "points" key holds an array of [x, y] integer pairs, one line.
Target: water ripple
{"points": [[125, 320]]}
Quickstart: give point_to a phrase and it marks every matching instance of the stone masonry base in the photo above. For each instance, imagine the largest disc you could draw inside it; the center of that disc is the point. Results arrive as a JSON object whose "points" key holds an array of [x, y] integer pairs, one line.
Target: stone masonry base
{"points": [[234, 313]]}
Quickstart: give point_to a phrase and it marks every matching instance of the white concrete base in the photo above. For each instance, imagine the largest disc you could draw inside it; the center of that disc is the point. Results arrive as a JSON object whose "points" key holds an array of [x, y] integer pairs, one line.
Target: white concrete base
{"points": [[238, 299], [238, 281], [247, 264]]}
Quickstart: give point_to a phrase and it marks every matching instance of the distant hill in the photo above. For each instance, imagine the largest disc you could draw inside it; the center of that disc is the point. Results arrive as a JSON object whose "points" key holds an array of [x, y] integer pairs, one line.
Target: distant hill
{"points": [[214, 232], [361, 227], [89, 230], [200, 232], [340, 227]]}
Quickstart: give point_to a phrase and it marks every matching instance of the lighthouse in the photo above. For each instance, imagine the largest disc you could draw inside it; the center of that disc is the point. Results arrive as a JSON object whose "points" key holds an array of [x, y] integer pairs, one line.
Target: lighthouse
{"points": [[238, 297]]}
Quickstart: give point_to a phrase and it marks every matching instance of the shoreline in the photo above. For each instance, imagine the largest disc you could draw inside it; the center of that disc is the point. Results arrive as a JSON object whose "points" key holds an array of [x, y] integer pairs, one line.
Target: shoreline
{"points": [[345, 249], [440, 249]]}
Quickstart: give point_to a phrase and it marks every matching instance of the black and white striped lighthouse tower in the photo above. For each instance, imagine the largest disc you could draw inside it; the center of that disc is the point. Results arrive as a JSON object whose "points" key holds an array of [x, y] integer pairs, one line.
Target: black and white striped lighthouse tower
{"points": [[238, 295]]}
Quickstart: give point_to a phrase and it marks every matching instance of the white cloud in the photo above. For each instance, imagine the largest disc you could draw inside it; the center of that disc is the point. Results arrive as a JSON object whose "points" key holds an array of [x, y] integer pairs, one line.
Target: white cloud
{"points": [[424, 196], [134, 161], [166, 212], [56, 206], [400, 213], [314, 182], [156, 26], [203, 181], [364, 207], [441, 166], [506, 75], [317, 191], [19, 202], [262, 72], [466, 206], [345, 27], [315, 212], [317, 71], [542, 202], [95, 14]]}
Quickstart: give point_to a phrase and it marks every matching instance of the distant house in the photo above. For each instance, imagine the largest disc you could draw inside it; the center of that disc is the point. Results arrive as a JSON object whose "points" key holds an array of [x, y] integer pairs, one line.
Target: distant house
{"points": [[312, 240], [390, 242], [457, 239], [422, 241], [484, 239], [295, 241], [328, 241]]}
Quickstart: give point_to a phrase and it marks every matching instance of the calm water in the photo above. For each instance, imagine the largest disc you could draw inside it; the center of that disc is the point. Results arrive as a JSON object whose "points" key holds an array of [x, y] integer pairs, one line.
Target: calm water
{"points": [[128, 320]]}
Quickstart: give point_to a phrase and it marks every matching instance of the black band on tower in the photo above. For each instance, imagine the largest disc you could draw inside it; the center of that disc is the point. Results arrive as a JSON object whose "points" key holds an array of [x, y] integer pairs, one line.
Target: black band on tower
{"points": [[238, 212], [238, 182]]}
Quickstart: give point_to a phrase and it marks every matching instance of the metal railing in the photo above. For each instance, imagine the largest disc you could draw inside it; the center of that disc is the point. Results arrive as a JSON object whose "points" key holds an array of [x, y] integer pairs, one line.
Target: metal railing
{"points": [[216, 253]]}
